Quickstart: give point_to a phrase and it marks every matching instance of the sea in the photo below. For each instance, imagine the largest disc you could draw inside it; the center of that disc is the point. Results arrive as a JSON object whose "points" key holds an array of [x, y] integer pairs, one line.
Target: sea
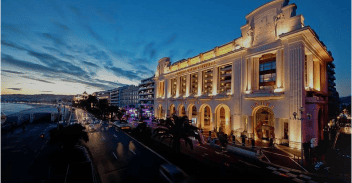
{"points": [[11, 108]]}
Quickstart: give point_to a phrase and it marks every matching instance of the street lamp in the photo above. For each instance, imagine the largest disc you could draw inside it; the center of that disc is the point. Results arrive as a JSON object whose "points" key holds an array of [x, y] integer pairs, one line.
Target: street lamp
{"points": [[301, 119]]}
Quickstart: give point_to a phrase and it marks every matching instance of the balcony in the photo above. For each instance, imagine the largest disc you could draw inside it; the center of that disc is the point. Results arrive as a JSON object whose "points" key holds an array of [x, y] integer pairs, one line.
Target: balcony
{"points": [[226, 69], [315, 100], [264, 95]]}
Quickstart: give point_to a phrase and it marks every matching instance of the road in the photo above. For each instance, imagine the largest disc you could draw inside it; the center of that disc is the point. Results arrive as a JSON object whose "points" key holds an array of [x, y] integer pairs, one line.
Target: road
{"points": [[118, 157]]}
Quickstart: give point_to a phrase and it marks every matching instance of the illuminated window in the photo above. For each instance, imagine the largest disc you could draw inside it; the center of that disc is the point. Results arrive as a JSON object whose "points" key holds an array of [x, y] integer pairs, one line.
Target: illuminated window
{"points": [[224, 78], [194, 83], [207, 81], [182, 85], [173, 86], [267, 70]]}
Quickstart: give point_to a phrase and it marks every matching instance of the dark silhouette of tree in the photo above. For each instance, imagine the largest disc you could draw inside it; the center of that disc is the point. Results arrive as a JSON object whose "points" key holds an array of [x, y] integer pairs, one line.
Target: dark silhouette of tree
{"points": [[103, 106], [91, 100], [68, 136], [177, 128]]}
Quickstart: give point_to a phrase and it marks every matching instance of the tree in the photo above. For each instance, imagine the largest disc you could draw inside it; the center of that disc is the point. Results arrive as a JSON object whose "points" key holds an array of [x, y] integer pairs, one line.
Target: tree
{"points": [[68, 136], [176, 129], [91, 100], [103, 106]]}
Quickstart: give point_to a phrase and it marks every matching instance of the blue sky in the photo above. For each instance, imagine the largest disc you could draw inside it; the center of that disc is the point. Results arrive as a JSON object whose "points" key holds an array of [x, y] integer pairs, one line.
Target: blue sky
{"points": [[67, 47]]}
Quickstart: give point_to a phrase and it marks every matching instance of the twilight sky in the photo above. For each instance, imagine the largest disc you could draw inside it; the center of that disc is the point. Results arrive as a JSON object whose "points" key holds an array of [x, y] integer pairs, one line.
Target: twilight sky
{"points": [[67, 47]]}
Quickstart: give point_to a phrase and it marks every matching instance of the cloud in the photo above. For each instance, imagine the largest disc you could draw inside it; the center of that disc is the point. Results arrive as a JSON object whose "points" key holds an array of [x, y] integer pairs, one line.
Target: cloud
{"points": [[187, 53], [75, 10], [18, 89], [149, 50], [62, 26], [172, 54], [171, 39], [12, 45], [144, 70], [96, 36], [13, 72], [99, 55], [64, 55], [7, 59], [56, 39], [126, 74], [90, 64], [6, 27], [41, 80]]}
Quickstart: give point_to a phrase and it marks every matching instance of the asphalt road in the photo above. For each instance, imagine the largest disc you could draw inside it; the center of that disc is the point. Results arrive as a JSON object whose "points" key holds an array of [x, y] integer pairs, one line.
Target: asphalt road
{"points": [[119, 158]]}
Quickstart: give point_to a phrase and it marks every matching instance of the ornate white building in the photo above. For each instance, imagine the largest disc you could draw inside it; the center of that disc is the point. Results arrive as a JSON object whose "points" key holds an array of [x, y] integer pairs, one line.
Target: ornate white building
{"points": [[258, 83]]}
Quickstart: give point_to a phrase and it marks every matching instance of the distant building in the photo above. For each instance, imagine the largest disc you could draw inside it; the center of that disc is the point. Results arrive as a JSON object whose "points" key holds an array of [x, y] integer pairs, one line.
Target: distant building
{"points": [[146, 96], [124, 96], [333, 105], [102, 95], [129, 96], [79, 97], [114, 97]]}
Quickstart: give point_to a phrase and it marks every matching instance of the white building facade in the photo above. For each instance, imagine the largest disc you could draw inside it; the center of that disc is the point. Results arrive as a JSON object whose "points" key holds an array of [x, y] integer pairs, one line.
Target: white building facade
{"points": [[258, 83]]}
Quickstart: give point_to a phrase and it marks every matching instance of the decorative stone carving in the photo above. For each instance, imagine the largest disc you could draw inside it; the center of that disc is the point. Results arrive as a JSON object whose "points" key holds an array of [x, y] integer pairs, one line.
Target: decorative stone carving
{"points": [[278, 20], [264, 28], [250, 35]]}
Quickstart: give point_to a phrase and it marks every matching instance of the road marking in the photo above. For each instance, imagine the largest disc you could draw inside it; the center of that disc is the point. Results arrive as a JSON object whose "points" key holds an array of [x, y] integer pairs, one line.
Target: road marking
{"points": [[114, 155], [298, 180], [311, 181], [298, 165], [133, 152], [249, 163], [304, 176], [115, 135], [266, 158], [269, 167], [284, 170], [291, 175]]}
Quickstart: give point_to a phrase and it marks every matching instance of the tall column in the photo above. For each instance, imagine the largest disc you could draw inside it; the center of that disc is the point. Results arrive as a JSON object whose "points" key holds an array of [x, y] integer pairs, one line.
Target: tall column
{"points": [[249, 74], [178, 83], [200, 80], [188, 79], [310, 71], [233, 78], [168, 87], [255, 70], [297, 91], [317, 75], [279, 65], [215, 80]]}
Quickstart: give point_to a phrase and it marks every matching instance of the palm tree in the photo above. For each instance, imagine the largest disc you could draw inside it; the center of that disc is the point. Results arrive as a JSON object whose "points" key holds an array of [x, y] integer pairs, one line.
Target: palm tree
{"points": [[103, 106], [176, 129]]}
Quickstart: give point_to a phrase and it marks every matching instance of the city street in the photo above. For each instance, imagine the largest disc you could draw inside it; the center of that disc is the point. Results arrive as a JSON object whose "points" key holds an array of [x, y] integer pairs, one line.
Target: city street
{"points": [[119, 158]]}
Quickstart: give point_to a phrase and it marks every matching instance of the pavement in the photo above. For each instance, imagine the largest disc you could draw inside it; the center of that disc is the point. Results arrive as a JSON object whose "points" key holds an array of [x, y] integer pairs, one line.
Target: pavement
{"points": [[278, 161]]}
